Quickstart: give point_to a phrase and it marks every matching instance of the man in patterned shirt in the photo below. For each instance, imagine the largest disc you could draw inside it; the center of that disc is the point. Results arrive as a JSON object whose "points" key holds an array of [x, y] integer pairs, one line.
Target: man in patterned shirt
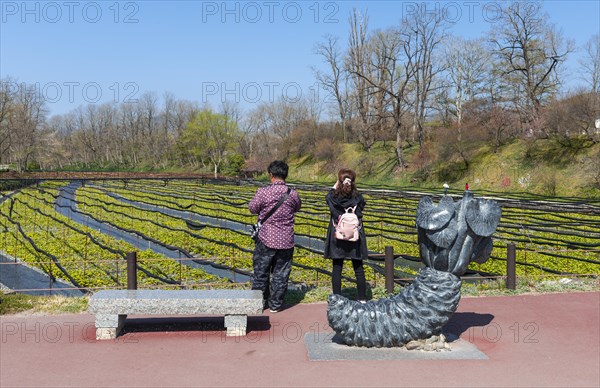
{"points": [[274, 249]]}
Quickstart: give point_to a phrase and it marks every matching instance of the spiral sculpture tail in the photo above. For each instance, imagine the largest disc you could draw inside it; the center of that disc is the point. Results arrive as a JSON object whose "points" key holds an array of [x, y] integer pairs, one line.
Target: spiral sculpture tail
{"points": [[419, 311]]}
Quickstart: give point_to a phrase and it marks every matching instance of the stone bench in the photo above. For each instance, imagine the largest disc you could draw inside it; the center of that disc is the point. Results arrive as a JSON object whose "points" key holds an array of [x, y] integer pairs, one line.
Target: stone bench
{"points": [[111, 307]]}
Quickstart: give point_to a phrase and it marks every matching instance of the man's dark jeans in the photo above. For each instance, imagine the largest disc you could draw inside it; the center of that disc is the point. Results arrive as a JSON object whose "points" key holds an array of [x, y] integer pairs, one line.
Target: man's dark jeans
{"points": [[272, 269]]}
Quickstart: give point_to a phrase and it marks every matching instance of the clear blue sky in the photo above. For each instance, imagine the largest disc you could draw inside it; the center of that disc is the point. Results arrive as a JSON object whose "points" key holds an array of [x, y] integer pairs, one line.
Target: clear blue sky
{"points": [[209, 50]]}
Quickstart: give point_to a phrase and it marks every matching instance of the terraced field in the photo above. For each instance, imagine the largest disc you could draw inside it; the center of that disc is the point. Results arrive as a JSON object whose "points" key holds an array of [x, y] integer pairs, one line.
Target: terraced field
{"points": [[81, 233]]}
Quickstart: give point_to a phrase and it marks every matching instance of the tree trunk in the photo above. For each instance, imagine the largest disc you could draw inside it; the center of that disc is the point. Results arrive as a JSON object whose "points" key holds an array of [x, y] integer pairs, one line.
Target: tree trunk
{"points": [[399, 151]]}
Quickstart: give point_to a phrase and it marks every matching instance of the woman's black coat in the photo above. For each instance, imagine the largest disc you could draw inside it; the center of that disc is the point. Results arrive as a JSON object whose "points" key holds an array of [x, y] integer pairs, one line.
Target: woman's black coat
{"points": [[340, 249]]}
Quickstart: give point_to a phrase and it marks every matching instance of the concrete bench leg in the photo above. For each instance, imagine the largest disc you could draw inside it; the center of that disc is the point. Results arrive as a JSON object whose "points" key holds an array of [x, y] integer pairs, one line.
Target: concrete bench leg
{"points": [[108, 326], [236, 325]]}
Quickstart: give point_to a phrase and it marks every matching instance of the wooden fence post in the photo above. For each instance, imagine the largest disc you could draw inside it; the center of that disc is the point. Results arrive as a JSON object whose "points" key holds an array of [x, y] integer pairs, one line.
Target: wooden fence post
{"points": [[389, 269], [132, 271], [511, 264]]}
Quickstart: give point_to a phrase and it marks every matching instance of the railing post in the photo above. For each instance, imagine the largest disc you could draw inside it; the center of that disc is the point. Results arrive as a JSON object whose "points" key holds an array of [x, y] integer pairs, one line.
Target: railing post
{"points": [[511, 264], [389, 269], [132, 271]]}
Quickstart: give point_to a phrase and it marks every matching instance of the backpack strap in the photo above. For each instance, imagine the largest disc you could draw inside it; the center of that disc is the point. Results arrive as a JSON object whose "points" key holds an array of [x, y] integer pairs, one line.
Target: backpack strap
{"points": [[347, 210]]}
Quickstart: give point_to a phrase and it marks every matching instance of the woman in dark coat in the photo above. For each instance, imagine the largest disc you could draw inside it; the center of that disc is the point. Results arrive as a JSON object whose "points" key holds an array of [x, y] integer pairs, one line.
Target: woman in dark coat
{"points": [[342, 196]]}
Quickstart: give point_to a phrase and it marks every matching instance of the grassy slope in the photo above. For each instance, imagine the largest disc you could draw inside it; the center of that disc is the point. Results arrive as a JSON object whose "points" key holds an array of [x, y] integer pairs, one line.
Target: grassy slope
{"points": [[540, 168]]}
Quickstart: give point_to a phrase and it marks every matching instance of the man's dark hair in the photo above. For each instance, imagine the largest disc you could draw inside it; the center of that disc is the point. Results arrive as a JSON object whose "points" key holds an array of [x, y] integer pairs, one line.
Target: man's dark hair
{"points": [[278, 169]]}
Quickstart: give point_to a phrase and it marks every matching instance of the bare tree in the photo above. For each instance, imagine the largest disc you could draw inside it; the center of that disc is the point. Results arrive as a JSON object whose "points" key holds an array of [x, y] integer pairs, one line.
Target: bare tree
{"points": [[393, 61], [24, 125], [52, 153], [247, 138], [571, 120], [423, 32], [358, 64], [335, 81], [7, 106], [590, 64], [467, 66], [231, 110], [395, 69], [531, 51], [184, 113], [88, 135]]}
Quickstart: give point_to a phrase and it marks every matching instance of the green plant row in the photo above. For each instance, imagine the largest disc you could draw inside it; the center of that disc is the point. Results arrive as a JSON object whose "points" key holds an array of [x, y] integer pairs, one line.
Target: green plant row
{"points": [[236, 253], [88, 263], [534, 246], [401, 211]]}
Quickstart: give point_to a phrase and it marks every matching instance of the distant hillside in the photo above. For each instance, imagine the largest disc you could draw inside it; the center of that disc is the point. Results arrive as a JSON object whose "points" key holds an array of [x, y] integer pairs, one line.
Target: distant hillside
{"points": [[541, 167]]}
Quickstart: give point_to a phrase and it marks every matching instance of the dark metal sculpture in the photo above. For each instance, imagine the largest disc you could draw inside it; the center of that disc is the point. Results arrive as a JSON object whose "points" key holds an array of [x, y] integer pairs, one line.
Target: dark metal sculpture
{"points": [[450, 236]]}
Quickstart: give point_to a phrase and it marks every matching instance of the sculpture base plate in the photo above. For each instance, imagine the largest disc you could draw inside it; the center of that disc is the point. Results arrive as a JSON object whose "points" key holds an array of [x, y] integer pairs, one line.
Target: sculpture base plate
{"points": [[328, 347]]}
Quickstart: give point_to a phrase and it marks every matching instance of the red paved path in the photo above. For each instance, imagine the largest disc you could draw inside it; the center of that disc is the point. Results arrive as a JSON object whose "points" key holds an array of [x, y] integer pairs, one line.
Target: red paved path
{"points": [[558, 344]]}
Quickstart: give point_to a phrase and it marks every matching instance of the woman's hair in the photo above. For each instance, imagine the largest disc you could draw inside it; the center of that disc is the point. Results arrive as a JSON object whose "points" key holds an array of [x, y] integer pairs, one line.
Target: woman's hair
{"points": [[346, 186]]}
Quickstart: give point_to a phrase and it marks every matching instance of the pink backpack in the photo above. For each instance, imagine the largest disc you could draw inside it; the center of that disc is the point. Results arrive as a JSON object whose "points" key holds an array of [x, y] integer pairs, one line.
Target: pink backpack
{"points": [[348, 226]]}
